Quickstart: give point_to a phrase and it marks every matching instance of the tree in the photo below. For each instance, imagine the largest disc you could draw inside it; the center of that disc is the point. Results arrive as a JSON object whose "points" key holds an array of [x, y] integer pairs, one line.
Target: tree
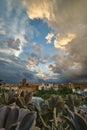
{"points": [[24, 82], [1, 81]]}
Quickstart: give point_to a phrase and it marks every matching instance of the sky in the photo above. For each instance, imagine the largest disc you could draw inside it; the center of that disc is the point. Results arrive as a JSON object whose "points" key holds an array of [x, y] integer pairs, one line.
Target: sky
{"points": [[43, 41]]}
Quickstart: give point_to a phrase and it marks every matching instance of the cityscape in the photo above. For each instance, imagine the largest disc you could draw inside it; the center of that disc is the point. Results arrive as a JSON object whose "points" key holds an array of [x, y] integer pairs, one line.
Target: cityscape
{"points": [[43, 63]]}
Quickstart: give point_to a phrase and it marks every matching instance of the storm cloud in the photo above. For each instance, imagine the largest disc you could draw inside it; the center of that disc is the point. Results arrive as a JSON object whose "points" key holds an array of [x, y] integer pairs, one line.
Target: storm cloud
{"points": [[25, 31], [68, 19]]}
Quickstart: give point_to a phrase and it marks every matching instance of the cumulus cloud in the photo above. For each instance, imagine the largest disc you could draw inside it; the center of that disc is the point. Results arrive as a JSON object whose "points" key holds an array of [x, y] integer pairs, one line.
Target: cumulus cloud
{"points": [[39, 9], [70, 12], [14, 35], [16, 69], [68, 19], [68, 68], [13, 24], [50, 67], [15, 44], [69, 16], [11, 46], [17, 31], [62, 40], [49, 37], [45, 75], [34, 60]]}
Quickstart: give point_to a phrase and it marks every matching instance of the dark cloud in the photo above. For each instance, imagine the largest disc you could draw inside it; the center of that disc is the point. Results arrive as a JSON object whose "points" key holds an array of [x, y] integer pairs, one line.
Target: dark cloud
{"points": [[14, 44], [6, 43], [14, 70], [31, 77], [57, 70], [68, 19], [35, 59]]}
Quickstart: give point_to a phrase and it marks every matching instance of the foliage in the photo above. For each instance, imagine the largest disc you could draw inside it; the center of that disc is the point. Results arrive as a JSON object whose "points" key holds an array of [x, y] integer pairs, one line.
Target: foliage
{"points": [[58, 112], [48, 111], [14, 118], [75, 120], [3, 90], [23, 100], [72, 101], [45, 94], [53, 114], [85, 100], [65, 90]]}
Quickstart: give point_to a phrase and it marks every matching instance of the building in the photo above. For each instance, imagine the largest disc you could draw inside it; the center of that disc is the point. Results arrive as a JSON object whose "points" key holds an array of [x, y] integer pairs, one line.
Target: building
{"points": [[48, 86], [31, 87], [78, 85]]}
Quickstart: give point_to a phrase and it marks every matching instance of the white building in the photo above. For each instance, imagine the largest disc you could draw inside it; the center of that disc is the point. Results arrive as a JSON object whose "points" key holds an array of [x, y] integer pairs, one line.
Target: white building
{"points": [[48, 86]]}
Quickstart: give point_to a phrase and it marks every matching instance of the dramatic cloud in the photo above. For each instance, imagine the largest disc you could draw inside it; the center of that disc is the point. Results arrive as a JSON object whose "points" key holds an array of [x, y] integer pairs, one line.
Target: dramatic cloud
{"points": [[13, 70], [39, 9], [14, 44], [68, 19], [11, 46], [50, 67], [69, 16], [61, 41], [25, 28], [49, 37]]}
